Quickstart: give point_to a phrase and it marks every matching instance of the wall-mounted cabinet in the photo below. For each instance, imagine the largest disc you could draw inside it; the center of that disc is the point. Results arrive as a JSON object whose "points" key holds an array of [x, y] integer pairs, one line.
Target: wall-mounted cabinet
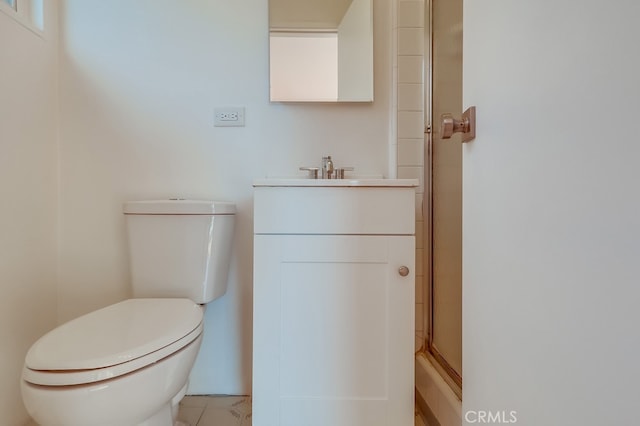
{"points": [[321, 51]]}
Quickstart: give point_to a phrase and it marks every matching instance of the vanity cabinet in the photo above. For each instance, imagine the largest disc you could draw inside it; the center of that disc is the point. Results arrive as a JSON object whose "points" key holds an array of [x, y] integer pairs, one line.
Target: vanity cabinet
{"points": [[333, 311]]}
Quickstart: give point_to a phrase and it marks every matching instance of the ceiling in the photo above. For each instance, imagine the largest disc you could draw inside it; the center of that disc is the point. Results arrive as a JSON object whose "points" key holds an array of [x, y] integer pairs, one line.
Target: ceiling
{"points": [[307, 14]]}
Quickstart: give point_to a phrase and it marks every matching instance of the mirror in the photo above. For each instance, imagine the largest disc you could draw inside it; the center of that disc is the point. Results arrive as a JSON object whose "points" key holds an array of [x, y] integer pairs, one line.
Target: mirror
{"points": [[321, 50]]}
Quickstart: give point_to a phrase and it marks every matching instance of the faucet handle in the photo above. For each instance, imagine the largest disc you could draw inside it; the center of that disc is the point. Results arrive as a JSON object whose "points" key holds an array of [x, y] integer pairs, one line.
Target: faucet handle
{"points": [[339, 172], [313, 171]]}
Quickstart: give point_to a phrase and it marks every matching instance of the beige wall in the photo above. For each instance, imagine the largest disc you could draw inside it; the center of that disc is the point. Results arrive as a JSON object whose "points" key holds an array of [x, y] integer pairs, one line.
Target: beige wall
{"points": [[139, 83], [28, 186]]}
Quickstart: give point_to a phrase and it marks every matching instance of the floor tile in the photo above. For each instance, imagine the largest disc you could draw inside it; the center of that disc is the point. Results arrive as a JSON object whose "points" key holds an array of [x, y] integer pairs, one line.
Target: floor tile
{"points": [[195, 401], [190, 415], [219, 416], [218, 410], [230, 402], [247, 420]]}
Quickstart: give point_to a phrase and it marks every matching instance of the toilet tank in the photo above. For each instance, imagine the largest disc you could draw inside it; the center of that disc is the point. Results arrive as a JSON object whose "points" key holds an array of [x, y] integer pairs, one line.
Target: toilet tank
{"points": [[179, 248]]}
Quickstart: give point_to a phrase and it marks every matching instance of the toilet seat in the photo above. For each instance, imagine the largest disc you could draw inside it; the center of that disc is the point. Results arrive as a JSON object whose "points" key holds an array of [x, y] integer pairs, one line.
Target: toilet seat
{"points": [[113, 341]]}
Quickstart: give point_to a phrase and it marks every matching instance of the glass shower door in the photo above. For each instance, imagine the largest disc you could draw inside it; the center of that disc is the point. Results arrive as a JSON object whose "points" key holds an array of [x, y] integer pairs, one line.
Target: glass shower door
{"points": [[444, 340]]}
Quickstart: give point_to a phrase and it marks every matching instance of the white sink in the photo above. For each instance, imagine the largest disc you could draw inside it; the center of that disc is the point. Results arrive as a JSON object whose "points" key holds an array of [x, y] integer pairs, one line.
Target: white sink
{"points": [[366, 182]]}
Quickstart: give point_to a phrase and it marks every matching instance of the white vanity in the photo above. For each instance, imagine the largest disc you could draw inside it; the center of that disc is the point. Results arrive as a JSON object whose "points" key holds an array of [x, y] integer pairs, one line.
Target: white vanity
{"points": [[333, 310]]}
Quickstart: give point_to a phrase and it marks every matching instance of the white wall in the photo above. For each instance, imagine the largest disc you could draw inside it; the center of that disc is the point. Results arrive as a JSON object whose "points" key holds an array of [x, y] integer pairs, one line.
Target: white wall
{"points": [[139, 82], [28, 186]]}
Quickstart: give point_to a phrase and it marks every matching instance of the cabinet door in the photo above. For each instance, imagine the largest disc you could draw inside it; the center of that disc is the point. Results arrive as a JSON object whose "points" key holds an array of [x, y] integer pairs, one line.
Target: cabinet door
{"points": [[333, 330]]}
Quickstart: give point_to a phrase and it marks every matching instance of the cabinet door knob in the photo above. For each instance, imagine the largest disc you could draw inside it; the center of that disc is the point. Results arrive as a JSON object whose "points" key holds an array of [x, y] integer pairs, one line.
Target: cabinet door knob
{"points": [[403, 271]]}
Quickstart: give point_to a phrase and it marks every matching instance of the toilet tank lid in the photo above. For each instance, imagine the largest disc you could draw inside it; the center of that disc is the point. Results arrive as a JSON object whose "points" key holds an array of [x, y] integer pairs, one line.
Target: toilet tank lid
{"points": [[178, 207]]}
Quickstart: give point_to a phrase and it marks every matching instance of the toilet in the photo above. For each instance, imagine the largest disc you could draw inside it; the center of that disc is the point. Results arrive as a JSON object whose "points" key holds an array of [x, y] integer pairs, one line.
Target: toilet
{"points": [[128, 364]]}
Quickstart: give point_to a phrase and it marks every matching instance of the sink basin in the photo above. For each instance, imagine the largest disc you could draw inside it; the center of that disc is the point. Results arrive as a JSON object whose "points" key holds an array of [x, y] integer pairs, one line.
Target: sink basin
{"points": [[366, 182]]}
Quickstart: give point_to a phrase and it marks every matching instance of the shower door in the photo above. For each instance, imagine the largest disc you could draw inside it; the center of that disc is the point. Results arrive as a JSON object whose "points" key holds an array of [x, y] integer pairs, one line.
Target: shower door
{"points": [[443, 77]]}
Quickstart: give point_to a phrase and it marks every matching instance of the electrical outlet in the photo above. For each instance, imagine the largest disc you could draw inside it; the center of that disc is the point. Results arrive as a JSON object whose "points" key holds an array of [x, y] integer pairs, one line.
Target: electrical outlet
{"points": [[229, 117]]}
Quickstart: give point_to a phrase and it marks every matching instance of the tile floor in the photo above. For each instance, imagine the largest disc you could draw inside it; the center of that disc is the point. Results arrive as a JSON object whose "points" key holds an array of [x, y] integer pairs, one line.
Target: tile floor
{"points": [[215, 411], [222, 411]]}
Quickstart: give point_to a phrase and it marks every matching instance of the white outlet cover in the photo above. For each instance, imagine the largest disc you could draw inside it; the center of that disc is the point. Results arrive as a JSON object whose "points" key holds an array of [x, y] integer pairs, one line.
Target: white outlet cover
{"points": [[229, 117]]}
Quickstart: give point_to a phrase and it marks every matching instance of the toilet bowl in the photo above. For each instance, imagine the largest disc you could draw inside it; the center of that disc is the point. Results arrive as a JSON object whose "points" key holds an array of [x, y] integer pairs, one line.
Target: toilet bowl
{"points": [[128, 364], [121, 365]]}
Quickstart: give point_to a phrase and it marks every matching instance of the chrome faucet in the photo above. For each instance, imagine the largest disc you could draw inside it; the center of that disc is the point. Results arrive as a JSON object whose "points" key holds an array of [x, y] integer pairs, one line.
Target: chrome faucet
{"points": [[328, 170], [327, 167]]}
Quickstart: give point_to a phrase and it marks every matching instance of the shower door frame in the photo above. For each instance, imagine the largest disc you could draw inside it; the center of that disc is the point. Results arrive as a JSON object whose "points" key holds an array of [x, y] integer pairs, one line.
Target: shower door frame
{"points": [[450, 375]]}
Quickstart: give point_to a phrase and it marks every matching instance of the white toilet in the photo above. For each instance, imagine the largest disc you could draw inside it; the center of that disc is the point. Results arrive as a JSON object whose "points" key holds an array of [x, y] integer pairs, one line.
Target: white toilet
{"points": [[128, 364]]}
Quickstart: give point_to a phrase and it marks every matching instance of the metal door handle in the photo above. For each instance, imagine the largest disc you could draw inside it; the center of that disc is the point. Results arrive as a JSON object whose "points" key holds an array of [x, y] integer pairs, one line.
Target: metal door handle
{"points": [[466, 126]]}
